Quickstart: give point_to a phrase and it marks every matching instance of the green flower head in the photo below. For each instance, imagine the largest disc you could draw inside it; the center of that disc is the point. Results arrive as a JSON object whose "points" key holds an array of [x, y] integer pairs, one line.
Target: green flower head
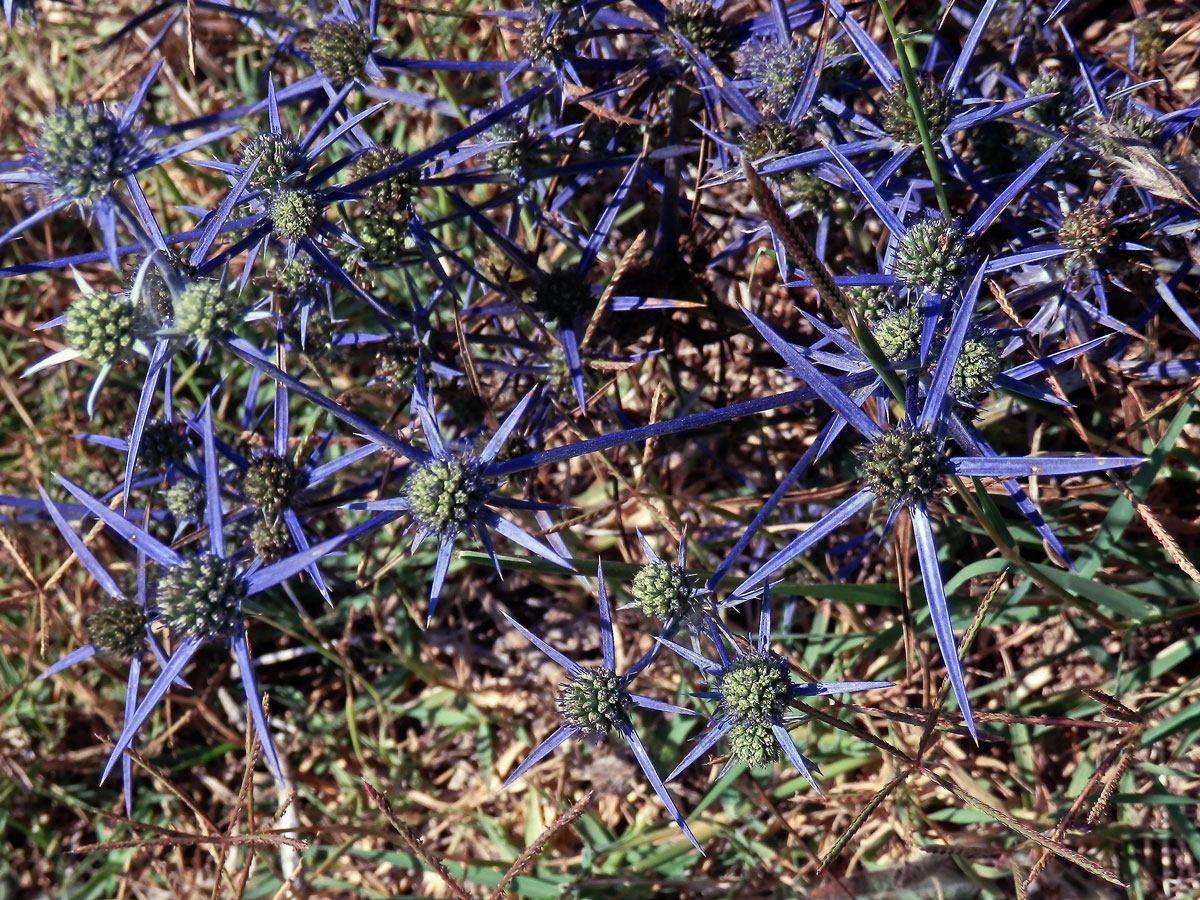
{"points": [[754, 689], [445, 494], [593, 702], [202, 596], [902, 466], [117, 628], [102, 327]]}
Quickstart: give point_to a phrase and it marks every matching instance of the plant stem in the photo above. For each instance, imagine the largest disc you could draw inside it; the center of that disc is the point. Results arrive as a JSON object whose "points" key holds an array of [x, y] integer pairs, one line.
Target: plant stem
{"points": [[914, 100]]}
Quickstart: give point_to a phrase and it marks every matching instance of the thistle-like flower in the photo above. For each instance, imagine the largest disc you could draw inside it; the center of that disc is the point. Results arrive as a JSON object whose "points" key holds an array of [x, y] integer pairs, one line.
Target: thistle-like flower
{"points": [[341, 50], [903, 467], [753, 690], [82, 151], [704, 27], [594, 702], [896, 112], [198, 596], [665, 591], [450, 491], [932, 257]]}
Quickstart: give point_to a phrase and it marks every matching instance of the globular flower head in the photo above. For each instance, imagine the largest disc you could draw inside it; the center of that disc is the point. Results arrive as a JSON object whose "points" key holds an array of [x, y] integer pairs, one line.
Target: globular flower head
{"points": [[340, 50], [271, 482], [663, 591], [394, 192], [162, 444], [873, 301], [206, 310], [384, 235], [102, 327], [1152, 38], [755, 745], [202, 597], [1088, 232], [397, 359], [754, 689], [932, 256], [1053, 111], [899, 333], [593, 702], [298, 279], [562, 295], [514, 156], [902, 466], [278, 155], [770, 137], [270, 538], [542, 45], [82, 149], [294, 212], [317, 340], [896, 113], [703, 25], [185, 500], [774, 70], [117, 628], [445, 493], [813, 193], [976, 369]]}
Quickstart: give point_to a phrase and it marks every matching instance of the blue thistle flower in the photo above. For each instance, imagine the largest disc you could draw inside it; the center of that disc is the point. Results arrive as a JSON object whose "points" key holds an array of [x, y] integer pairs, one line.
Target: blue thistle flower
{"points": [[82, 150], [596, 702], [903, 467], [753, 690], [199, 596], [450, 491]]}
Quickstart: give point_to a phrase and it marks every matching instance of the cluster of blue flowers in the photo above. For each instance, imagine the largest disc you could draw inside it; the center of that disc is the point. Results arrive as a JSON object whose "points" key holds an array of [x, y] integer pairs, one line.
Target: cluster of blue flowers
{"points": [[994, 226]]}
